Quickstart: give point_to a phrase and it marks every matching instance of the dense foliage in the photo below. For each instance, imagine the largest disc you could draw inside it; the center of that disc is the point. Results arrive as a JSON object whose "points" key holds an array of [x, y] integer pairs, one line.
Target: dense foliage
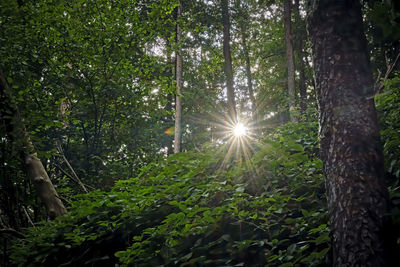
{"points": [[94, 84], [189, 208], [388, 104], [388, 107]]}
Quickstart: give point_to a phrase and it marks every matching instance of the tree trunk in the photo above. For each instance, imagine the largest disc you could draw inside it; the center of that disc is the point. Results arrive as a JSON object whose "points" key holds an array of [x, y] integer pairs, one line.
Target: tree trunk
{"points": [[302, 80], [169, 107], [244, 36], [300, 53], [350, 141], [178, 103], [289, 59], [228, 60], [44, 187], [169, 120], [33, 165]]}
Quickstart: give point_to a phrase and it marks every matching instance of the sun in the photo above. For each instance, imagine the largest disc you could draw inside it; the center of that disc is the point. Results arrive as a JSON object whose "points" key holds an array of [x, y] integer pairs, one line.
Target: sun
{"points": [[239, 130]]}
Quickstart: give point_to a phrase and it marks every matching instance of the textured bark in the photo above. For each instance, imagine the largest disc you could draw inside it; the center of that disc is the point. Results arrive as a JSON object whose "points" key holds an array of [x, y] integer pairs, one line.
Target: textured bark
{"points": [[289, 58], [228, 60], [33, 165], [178, 103], [350, 142], [301, 67], [44, 187]]}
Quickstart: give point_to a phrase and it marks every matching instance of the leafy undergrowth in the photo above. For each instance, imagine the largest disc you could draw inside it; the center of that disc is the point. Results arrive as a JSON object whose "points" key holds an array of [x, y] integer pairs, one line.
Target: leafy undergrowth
{"points": [[195, 209], [388, 107]]}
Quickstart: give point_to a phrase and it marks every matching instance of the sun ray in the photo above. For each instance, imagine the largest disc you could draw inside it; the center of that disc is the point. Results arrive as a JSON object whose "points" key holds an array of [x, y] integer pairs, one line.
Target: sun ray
{"points": [[239, 130], [236, 139]]}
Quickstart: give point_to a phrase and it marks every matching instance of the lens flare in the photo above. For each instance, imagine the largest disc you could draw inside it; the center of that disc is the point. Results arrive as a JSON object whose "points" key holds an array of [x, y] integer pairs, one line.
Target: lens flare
{"points": [[239, 130], [235, 138]]}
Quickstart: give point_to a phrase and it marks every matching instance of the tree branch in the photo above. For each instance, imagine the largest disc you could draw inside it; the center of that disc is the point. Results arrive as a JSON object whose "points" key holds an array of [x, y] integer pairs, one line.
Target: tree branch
{"points": [[379, 84], [12, 232], [75, 176]]}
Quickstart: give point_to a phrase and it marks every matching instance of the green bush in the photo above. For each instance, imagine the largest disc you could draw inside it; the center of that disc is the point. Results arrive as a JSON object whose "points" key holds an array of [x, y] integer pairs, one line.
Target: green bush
{"points": [[388, 107], [190, 209]]}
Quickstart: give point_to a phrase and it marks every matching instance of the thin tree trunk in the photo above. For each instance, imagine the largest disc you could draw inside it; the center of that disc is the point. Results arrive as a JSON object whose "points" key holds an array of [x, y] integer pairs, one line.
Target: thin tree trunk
{"points": [[170, 119], [302, 80], [178, 103], [228, 60], [300, 53], [34, 167], [170, 98], [248, 70], [64, 106], [350, 141], [289, 59]]}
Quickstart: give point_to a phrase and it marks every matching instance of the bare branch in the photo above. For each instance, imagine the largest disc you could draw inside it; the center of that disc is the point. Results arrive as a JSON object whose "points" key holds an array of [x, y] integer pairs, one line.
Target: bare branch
{"points": [[380, 83], [27, 216], [75, 176], [12, 232]]}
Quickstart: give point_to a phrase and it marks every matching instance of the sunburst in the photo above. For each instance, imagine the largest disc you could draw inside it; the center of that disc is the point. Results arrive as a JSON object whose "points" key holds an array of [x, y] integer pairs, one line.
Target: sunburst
{"points": [[239, 130]]}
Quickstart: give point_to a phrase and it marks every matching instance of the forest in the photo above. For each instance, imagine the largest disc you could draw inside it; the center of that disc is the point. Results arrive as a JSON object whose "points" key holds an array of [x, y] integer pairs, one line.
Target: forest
{"points": [[199, 133]]}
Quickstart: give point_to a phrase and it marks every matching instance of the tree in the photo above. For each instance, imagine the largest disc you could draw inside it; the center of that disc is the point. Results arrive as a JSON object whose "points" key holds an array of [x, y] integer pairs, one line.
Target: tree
{"points": [[300, 53], [178, 102], [289, 58], [114, 121], [243, 20], [34, 167], [349, 133], [228, 60]]}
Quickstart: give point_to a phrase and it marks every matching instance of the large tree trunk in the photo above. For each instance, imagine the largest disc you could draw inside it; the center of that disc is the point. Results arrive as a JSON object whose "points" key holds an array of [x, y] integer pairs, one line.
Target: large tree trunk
{"points": [[300, 53], [178, 103], [350, 142], [33, 165], [228, 60], [289, 58]]}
